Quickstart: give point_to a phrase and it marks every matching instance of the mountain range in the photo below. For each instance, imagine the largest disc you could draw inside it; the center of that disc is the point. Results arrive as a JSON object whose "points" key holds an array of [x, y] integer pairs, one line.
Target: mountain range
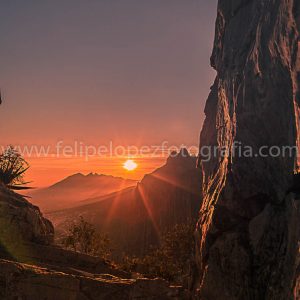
{"points": [[135, 217], [76, 190]]}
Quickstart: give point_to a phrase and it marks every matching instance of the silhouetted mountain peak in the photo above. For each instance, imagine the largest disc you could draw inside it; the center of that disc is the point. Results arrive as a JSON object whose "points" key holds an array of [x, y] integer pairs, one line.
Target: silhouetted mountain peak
{"points": [[181, 159], [94, 175], [184, 152], [76, 188], [75, 175]]}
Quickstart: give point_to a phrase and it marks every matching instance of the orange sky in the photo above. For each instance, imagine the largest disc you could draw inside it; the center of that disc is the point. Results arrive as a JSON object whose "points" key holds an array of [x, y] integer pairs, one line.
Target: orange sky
{"points": [[46, 171], [133, 72]]}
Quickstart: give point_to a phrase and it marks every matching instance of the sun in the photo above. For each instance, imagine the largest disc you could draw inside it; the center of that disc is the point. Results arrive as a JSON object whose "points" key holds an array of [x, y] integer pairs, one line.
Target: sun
{"points": [[130, 165]]}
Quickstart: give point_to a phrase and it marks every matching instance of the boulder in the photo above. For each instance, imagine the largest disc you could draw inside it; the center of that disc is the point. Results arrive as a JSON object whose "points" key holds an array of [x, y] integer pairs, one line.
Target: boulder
{"points": [[20, 222]]}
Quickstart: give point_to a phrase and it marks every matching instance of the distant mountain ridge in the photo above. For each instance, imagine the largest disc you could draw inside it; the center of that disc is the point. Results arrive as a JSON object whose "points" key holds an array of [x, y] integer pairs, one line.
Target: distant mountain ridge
{"points": [[136, 217], [73, 189]]}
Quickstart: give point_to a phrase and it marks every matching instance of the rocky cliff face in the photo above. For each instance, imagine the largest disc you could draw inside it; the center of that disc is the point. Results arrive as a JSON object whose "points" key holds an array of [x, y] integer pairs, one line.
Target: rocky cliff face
{"points": [[248, 229]]}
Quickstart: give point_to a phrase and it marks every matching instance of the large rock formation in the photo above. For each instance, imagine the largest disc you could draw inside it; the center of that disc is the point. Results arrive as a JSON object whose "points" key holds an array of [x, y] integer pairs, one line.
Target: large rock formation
{"points": [[21, 222], [248, 229]]}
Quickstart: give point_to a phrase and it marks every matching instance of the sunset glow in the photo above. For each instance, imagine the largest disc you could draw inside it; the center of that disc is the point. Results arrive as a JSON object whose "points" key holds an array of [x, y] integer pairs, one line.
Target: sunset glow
{"points": [[104, 64], [130, 165]]}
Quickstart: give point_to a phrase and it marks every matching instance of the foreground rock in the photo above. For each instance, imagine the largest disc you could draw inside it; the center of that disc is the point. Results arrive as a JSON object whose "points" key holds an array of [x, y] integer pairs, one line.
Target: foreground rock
{"points": [[20, 281], [248, 231], [20, 222], [32, 269]]}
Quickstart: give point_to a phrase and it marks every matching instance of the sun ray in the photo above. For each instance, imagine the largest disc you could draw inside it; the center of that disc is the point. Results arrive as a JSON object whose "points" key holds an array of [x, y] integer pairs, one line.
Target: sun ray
{"points": [[114, 204], [148, 208], [173, 182]]}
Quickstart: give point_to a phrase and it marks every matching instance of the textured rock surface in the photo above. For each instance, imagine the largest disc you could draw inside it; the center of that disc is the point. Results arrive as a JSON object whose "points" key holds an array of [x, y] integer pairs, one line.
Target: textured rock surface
{"points": [[21, 222], [248, 229], [59, 259], [19, 281]]}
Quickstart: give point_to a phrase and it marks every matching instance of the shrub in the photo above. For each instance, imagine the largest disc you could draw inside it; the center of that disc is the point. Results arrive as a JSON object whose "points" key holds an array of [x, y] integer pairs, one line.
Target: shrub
{"points": [[171, 260], [12, 169], [83, 237]]}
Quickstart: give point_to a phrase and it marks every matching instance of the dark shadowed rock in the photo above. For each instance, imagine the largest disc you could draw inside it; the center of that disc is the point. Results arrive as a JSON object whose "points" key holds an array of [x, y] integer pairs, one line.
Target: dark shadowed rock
{"points": [[20, 221], [20, 281], [248, 231]]}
